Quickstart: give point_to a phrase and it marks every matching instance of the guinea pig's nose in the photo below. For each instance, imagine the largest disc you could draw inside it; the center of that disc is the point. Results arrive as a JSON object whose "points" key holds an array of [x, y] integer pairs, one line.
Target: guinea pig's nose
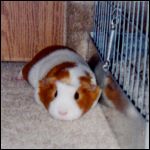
{"points": [[62, 113]]}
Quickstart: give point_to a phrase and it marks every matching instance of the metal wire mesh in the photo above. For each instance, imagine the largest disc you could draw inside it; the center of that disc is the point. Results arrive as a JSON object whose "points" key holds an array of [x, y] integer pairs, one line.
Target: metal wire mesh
{"points": [[129, 60]]}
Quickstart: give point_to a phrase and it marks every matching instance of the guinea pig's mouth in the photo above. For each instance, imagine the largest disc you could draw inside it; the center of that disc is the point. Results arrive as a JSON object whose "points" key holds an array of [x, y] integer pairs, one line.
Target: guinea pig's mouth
{"points": [[63, 113], [64, 116]]}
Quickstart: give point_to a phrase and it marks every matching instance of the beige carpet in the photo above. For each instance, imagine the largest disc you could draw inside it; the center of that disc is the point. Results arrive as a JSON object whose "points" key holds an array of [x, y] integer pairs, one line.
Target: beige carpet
{"points": [[24, 124]]}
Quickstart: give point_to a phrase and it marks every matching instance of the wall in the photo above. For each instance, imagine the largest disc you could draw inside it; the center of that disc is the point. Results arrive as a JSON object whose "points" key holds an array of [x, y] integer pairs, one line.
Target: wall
{"points": [[79, 25]]}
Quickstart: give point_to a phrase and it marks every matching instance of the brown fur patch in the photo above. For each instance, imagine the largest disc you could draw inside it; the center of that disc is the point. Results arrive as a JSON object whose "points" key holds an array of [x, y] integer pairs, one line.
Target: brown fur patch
{"points": [[47, 89], [60, 73], [87, 93], [114, 95], [87, 97], [58, 68], [85, 80], [43, 53]]}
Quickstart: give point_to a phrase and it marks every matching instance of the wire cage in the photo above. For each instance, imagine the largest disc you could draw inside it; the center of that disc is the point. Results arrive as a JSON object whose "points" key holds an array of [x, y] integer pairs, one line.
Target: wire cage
{"points": [[129, 59]]}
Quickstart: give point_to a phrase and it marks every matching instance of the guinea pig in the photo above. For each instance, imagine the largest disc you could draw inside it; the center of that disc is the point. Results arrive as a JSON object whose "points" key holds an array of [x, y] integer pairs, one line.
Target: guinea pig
{"points": [[63, 82]]}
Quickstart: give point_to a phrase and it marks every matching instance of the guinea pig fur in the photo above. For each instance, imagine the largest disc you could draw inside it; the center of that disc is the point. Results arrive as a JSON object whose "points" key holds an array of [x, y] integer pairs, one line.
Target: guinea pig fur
{"points": [[63, 82]]}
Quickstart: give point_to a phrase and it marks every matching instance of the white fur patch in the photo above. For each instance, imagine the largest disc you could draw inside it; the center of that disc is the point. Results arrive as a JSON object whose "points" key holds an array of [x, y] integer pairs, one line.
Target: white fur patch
{"points": [[65, 102]]}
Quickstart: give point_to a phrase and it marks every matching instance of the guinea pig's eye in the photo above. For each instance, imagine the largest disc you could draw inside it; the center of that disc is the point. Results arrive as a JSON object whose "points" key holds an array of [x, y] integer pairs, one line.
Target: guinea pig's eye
{"points": [[76, 95], [55, 94]]}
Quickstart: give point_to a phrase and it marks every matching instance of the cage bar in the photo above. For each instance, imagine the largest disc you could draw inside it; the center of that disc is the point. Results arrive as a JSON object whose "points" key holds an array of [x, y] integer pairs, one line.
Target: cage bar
{"points": [[119, 38], [139, 58], [135, 53], [145, 65], [121, 79], [131, 51], [114, 47], [126, 48]]}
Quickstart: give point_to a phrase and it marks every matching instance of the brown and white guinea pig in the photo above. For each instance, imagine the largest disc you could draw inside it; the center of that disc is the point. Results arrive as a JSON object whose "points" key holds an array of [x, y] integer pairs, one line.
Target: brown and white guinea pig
{"points": [[63, 82]]}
